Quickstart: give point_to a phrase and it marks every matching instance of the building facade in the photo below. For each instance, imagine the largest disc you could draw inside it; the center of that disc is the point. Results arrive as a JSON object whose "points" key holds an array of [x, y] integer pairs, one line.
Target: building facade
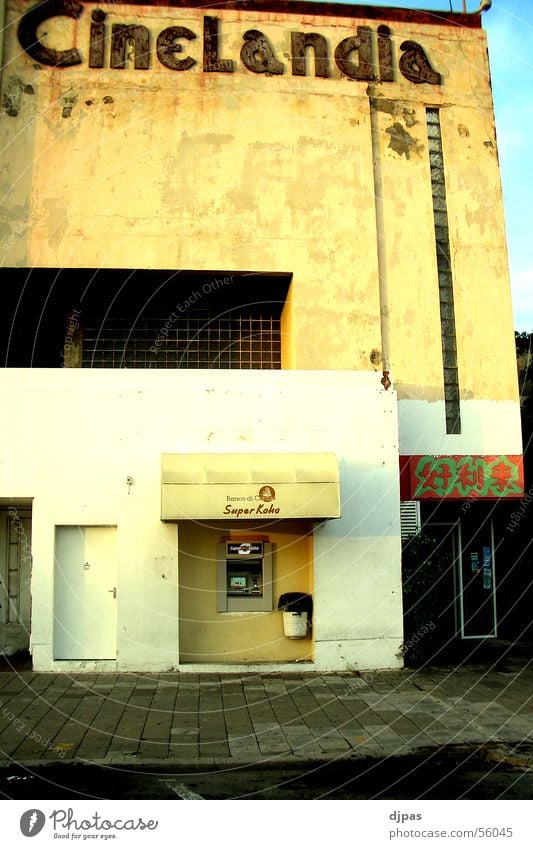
{"points": [[257, 296]]}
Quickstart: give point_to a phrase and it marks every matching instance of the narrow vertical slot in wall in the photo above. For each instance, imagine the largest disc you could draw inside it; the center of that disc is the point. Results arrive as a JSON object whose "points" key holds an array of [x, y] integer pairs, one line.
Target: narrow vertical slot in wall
{"points": [[444, 268]]}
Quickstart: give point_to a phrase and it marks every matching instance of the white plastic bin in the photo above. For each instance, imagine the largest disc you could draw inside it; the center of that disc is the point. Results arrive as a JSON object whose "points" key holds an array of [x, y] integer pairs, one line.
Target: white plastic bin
{"points": [[294, 625]]}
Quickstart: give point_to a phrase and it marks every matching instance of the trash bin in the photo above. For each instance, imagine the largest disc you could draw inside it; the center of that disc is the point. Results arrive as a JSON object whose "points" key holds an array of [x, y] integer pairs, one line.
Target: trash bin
{"points": [[297, 609]]}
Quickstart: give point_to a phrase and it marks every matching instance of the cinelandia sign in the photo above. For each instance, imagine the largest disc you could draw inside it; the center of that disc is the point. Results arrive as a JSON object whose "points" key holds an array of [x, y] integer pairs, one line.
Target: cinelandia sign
{"points": [[365, 56]]}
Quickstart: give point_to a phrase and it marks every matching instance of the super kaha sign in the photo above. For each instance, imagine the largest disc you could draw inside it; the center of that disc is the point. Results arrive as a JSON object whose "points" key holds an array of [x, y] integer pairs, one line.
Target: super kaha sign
{"points": [[367, 55]]}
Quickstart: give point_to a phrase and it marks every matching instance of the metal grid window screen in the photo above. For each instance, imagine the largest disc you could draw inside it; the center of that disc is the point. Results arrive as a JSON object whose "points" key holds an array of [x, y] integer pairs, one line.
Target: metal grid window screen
{"points": [[444, 266], [236, 340]]}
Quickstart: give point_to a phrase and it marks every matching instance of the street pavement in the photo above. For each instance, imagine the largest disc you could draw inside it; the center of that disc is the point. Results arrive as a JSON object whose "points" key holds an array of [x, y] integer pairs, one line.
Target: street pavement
{"points": [[179, 719]]}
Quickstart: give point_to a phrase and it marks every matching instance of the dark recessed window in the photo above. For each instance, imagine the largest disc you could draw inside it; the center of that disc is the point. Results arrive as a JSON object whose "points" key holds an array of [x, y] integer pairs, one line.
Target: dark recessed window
{"points": [[123, 318]]}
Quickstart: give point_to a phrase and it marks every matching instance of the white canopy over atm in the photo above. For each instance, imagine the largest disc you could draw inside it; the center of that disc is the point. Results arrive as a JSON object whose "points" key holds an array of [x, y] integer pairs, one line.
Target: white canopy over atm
{"points": [[249, 486]]}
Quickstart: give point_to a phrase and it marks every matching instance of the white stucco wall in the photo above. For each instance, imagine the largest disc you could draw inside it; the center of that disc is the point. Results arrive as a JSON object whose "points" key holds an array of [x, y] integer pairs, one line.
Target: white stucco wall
{"points": [[75, 435], [487, 427]]}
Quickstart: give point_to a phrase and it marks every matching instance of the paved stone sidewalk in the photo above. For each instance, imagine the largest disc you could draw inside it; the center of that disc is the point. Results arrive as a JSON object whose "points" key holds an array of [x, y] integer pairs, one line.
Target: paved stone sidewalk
{"points": [[167, 719]]}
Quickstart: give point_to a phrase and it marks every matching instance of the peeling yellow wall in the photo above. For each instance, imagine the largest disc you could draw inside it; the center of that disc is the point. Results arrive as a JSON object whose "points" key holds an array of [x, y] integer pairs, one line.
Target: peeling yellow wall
{"points": [[483, 310], [208, 636], [482, 302], [241, 171]]}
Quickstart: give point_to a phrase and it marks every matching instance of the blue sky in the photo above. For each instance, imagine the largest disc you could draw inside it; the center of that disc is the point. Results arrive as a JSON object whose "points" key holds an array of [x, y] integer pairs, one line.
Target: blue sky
{"points": [[509, 24]]}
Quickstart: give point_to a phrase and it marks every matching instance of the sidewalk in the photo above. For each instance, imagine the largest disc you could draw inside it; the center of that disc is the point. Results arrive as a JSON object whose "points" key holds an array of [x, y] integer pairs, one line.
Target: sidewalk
{"points": [[178, 719]]}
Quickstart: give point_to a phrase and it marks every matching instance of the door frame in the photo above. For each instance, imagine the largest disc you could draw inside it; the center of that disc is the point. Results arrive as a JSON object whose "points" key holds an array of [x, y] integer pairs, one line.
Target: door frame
{"points": [[458, 582], [493, 590], [16, 634], [455, 527]]}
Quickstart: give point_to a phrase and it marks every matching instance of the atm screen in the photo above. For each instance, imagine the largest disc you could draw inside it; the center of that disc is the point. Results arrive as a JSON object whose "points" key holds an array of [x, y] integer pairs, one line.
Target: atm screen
{"points": [[237, 582], [244, 579]]}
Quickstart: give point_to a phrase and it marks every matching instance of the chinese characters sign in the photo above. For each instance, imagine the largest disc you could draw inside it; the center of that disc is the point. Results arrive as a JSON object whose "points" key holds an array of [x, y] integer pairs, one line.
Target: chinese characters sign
{"points": [[462, 476]]}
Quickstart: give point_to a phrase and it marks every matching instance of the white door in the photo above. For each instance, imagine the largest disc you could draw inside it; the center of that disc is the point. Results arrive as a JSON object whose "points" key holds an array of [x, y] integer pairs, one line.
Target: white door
{"points": [[85, 590]]}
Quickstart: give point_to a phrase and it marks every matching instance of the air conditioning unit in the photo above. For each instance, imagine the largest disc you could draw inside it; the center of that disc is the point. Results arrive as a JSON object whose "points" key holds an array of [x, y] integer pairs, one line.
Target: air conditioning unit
{"points": [[410, 518]]}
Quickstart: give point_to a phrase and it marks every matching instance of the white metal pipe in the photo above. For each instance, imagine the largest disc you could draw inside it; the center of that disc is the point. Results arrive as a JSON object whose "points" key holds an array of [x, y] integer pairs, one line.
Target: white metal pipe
{"points": [[380, 232]]}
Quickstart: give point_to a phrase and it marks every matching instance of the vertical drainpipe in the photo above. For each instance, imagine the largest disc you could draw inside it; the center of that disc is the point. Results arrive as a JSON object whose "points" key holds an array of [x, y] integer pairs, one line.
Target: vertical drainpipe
{"points": [[2, 34], [380, 232]]}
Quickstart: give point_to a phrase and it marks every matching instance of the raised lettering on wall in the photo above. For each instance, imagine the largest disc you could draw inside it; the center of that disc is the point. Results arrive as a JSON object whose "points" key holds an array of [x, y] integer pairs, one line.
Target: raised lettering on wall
{"points": [[97, 39], [415, 65], [299, 42], [257, 54], [27, 33], [121, 37], [211, 60], [167, 47], [385, 58], [359, 46], [365, 56]]}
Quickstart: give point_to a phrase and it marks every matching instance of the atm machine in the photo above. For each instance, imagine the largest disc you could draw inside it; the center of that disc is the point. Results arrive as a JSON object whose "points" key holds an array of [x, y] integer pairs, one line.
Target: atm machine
{"points": [[244, 576]]}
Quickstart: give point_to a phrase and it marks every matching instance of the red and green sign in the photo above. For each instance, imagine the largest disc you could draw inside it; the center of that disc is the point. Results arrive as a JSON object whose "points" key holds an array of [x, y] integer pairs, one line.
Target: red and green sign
{"points": [[462, 476]]}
